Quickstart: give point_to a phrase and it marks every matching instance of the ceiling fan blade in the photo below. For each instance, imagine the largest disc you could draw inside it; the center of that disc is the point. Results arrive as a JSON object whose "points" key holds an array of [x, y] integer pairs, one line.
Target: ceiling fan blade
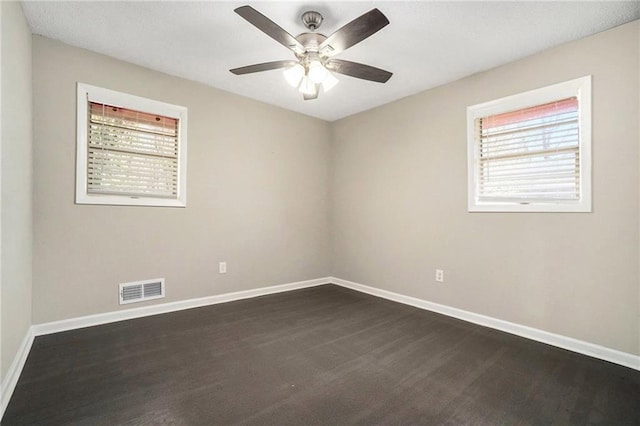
{"points": [[314, 95], [354, 32], [354, 69], [270, 28], [262, 67]]}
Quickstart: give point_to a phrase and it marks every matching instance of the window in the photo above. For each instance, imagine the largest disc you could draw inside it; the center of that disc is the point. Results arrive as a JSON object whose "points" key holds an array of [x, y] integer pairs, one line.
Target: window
{"points": [[532, 151], [130, 150]]}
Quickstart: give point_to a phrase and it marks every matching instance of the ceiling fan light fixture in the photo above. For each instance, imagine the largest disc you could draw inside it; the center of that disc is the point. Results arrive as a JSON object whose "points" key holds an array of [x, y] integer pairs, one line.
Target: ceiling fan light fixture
{"points": [[294, 75], [317, 72], [314, 65], [329, 82]]}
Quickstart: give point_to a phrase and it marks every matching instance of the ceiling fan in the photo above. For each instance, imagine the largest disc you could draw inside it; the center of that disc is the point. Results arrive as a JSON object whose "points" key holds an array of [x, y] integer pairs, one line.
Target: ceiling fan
{"points": [[314, 52]]}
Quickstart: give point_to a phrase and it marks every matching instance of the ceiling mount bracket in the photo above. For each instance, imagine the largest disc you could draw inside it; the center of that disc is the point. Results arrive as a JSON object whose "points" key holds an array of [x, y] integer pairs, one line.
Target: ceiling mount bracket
{"points": [[312, 20]]}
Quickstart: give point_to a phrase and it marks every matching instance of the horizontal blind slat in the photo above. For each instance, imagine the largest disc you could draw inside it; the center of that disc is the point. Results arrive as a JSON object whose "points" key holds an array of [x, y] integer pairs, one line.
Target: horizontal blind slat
{"points": [[518, 169], [134, 127], [530, 176], [530, 154], [100, 138], [116, 134], [133, 193], [529, 198], [94, 149], [525, 148], [550, 161], [564, 136], [531, 127]]}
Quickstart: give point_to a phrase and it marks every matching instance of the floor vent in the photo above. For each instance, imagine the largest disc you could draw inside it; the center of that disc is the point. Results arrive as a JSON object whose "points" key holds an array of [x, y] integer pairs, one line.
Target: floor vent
{"points": [[140, 291]]}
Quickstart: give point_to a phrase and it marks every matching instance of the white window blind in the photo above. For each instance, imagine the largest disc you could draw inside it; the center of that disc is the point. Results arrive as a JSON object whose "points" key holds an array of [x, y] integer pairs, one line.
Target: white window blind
{"points": [[530, 155], [131, 153], [531, 152]]}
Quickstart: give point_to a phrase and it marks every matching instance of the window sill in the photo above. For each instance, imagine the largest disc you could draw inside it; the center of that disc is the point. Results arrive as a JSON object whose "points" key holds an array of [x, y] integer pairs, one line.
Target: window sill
{"points": [[582, 207], [115, 200]]}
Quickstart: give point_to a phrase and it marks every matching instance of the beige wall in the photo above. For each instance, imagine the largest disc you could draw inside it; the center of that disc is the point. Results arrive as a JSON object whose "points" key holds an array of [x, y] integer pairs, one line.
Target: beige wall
{"points": [[400, 193], [15, 180], [257, 195]]}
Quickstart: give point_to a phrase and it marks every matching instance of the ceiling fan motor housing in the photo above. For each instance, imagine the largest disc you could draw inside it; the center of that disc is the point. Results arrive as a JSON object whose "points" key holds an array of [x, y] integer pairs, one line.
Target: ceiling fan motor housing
{"points": [[311, 42], [312, 20]]}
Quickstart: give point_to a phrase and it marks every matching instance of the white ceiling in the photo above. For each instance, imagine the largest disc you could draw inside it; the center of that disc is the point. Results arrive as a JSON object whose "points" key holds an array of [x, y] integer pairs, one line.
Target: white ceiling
{"points": [[426, 44]]}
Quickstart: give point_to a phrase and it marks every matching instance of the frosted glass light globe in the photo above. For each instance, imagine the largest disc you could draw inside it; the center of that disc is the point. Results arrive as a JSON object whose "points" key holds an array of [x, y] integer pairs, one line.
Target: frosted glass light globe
{"points": [[317, 72], [294, 74], [307, 86]]}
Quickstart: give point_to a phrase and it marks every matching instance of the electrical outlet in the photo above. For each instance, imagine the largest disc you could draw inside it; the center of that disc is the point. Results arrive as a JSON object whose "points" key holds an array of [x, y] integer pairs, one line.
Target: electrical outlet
{"points": [[222, 267], [439, 275]]}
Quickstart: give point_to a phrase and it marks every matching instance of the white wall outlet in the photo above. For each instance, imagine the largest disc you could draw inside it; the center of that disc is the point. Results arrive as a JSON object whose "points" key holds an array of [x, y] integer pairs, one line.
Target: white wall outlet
{"points": [[439, 275], [222, 267]]}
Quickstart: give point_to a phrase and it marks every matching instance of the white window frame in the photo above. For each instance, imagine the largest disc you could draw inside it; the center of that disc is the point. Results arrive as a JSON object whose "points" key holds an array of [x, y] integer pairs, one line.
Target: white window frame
{"points": [[87, 93], [579, 87]]}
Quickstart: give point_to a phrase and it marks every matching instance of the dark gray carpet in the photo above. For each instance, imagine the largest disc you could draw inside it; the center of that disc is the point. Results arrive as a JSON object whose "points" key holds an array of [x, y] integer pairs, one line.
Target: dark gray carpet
{"points": [[324, 355]]}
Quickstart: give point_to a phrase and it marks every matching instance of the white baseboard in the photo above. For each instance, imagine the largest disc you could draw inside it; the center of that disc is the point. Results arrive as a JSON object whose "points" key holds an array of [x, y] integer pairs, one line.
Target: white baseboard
{"points": [[575, 345], [11, 379], [125, 314]]}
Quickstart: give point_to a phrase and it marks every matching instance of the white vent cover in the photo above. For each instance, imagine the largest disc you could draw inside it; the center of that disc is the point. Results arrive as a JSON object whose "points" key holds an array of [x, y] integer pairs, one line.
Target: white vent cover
{"points": [[139, 291]]}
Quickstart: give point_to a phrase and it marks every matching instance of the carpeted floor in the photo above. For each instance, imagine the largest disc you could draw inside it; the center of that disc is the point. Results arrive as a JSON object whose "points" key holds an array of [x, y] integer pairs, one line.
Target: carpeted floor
{"points": [[323, 355]]}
